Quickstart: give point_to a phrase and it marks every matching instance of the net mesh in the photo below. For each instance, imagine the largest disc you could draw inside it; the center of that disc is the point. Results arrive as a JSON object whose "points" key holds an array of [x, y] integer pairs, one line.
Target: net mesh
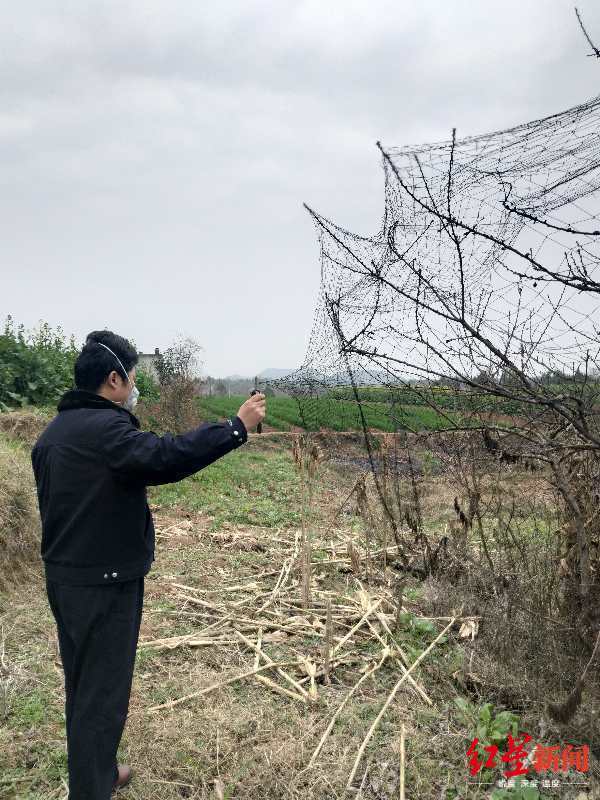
{"points": [[497, 232], [483, 275]]}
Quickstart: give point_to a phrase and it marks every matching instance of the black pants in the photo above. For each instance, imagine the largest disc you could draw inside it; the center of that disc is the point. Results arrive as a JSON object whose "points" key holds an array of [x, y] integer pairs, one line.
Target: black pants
{"points": [[98, 628]]}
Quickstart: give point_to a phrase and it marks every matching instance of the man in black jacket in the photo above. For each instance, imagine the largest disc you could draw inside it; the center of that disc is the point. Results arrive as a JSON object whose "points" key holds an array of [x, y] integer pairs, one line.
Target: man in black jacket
{"points": [[92, 464]]}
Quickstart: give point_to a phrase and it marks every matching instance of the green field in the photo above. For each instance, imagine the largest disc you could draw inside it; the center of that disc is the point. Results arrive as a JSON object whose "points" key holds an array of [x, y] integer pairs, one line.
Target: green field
{"points": [[246, 488], [333, 413]]}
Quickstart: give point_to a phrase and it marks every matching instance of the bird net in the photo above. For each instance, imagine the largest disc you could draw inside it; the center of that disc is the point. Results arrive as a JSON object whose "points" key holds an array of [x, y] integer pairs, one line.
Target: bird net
{"points": [[485, 265], [473, 310]]}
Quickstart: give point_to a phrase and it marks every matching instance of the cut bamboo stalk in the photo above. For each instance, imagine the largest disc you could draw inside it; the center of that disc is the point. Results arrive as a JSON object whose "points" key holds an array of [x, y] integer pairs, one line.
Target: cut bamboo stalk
{"points": [[404, 661], [261, 653], [283, 575], [213, 687], [257, 648], [388, 702], [420, 691], [280, 689], [328, 643], [342, 705], [402, 733], [359, 624], [349, 658]]}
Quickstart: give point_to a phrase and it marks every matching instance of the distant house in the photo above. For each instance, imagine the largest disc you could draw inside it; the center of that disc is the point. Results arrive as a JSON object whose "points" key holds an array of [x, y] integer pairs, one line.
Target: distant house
{"points": [[147, 362]]}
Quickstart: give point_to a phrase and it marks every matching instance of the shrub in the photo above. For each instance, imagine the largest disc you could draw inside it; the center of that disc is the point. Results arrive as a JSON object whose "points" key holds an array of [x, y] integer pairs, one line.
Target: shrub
{"points": [[148, 387], [176, 409], [36, 366]]}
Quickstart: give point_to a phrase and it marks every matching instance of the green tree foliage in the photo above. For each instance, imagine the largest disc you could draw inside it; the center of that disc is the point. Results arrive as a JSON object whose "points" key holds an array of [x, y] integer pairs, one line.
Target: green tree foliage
{"points": [[36, 366], [147, 385]]}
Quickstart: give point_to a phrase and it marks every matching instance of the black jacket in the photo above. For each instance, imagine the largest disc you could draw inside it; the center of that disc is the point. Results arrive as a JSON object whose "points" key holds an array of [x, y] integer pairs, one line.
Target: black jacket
{"points": [[92, 465]]}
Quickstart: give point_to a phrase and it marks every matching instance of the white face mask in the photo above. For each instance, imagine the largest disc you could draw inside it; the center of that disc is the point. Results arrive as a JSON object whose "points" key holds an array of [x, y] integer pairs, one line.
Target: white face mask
{"points": [[132, 399], [133, 395]]}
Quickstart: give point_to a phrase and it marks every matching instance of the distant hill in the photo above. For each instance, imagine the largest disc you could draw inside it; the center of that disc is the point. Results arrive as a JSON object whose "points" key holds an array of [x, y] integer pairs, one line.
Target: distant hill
{"points": [[235, 378], [273, 372]]}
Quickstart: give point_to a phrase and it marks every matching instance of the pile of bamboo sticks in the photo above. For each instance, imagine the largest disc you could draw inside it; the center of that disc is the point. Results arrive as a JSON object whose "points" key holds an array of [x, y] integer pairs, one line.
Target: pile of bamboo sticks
{"points": [[309, 646]]}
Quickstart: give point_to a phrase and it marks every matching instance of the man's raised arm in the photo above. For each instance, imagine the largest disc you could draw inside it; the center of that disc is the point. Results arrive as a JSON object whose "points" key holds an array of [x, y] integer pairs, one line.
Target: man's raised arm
{"points": [[145, 457]]}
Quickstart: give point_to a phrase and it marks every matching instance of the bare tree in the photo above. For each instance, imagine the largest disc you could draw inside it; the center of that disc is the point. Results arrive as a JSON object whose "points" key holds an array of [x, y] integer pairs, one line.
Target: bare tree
{"points": [[595, 52], [177, 370], [179, 361], [484, 277]]}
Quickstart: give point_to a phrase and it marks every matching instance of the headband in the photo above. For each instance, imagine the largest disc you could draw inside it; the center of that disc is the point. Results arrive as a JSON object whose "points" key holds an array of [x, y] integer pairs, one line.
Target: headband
{"points": [[117, 357]]}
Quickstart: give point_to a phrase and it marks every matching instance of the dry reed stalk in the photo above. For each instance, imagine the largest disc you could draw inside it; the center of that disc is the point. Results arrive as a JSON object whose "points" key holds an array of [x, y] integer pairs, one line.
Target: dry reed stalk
{"points": [[306, 569], [279, 584], [229, 615], [354, 557], [189, 642], [398, 599], [315, 456], [311, 669], [213, 687], [349, 659], [328, 642], [298, 451], [362, 783], [249, 623], [241, 587], [192, 640], [340, 708], [399, 658], [307, 463], [388, 702], [390, 551], [291, 602], [257, 648], [280, 689], [167, 643], [261, 654], [369, 525], [329, 527], [200, 602], [359, 624], [403, 662], [283, 576], [395, 493], [402, 756]]}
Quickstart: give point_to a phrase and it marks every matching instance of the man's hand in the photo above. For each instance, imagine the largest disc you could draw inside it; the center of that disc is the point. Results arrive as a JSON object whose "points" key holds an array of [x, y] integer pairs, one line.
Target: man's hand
{"points": [[253, 410]]}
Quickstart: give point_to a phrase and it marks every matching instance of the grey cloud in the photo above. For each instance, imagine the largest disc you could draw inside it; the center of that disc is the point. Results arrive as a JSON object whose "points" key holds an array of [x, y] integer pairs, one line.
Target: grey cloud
{"points": [[149, 146]]}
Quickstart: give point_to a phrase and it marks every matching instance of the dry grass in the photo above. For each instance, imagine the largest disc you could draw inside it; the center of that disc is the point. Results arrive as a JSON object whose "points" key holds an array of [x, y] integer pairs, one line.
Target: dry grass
{"points": [[213, 600], [257, 741], [19, 520], [24, 426]]}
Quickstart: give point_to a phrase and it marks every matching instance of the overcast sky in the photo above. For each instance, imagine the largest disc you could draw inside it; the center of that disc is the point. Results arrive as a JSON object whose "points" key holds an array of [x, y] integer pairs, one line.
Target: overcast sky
{"points": [[155, 154]]}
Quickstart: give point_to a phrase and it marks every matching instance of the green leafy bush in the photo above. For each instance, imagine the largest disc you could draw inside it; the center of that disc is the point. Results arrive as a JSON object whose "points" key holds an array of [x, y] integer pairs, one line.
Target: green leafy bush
{"points": [[148, 387], [489, 727], [36, 366]]}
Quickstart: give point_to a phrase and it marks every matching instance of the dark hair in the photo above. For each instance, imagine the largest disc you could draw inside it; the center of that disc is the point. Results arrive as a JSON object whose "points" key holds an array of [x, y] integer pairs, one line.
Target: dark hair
{"points": [[94, 364]]}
